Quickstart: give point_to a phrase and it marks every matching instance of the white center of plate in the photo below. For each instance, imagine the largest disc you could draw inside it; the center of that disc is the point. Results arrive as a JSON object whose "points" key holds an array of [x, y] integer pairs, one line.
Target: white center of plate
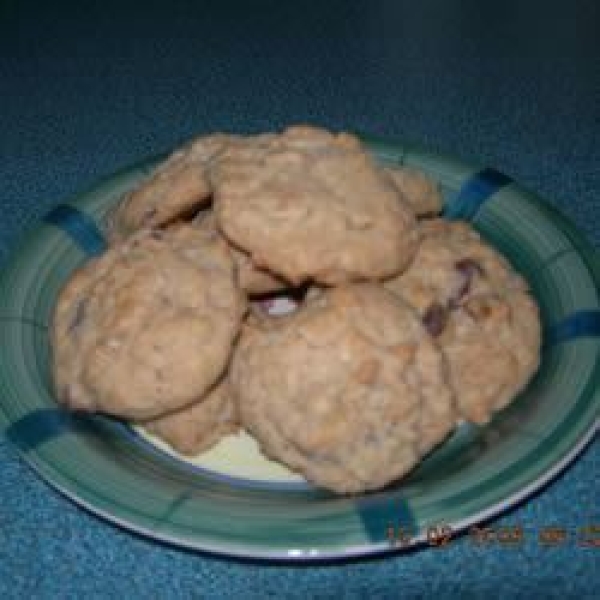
{"points": [[235, 455]]}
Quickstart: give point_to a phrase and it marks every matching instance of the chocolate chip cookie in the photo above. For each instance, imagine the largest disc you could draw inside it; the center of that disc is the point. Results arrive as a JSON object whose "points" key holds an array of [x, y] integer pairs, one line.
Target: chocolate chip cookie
{"points": [[349, 390], [308, 204], [148, 327], [479, 310]]}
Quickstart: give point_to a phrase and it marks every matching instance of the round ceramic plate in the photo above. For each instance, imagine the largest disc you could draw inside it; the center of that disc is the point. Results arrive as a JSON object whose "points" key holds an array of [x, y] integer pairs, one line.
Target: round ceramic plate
{"points": [[231, 501]]}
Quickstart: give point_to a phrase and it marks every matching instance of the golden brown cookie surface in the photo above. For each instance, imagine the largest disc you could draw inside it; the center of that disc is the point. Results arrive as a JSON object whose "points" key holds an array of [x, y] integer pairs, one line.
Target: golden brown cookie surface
{"points": [[479, 310], [307, 204], [253, 280], [200, 426], [148, 327], [349, 390], [421, 192]]}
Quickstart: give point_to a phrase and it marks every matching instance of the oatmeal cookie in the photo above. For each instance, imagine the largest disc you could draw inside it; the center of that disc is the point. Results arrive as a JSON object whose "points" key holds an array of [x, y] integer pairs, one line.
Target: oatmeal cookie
{"points": [[349, 390], [148, 327], [307, 204], [480, 312]]}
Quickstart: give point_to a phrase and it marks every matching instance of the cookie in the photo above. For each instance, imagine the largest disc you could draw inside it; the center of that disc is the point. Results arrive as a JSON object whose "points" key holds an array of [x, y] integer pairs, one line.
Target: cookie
{"points": [[480, 312], [177, 187], [349, 390], [307, 204], [252, 279], [200, 426], [422, 193], [148, 327]]}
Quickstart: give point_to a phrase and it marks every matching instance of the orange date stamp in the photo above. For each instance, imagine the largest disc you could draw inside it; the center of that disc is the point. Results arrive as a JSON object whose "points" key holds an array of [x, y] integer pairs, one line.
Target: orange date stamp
{"points": [[506, 536]]}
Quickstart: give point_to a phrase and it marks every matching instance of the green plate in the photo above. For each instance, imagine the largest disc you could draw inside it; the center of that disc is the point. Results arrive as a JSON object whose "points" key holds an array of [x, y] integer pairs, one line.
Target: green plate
{"points": [[235, 505]]}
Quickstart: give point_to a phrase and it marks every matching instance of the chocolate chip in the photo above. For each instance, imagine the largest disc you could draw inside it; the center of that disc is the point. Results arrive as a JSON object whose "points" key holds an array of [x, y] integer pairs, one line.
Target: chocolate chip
{"points": [[79, 315], [435, 318], [468, 268], [463, 290]]}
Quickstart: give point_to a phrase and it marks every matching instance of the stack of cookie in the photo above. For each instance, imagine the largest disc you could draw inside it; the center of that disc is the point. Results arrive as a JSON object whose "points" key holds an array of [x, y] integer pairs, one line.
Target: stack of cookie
{"points": [[408, 323]]}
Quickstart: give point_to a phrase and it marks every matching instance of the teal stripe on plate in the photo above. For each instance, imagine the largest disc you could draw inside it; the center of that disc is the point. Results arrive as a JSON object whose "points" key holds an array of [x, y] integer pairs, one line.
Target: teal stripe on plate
{"points": [[39, 426], [474, 193], [81, 228], [583, 323], [382, 516]]}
